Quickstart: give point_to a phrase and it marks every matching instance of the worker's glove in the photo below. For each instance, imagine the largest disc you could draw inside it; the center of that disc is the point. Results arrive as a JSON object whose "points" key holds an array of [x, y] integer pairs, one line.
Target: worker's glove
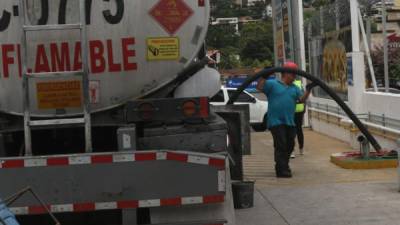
{"points": [[310, 86]]}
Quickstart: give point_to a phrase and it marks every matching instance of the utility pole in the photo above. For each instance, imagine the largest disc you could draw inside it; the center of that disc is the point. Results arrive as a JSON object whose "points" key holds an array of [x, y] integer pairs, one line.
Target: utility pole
{"points": [[355, 30], [301, 36], [385, 46], [368, 26], [356, 89]]}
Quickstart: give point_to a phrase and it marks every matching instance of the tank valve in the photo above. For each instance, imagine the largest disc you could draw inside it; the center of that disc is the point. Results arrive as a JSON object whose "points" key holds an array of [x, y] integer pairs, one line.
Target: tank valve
{"points": [[364, 146]]}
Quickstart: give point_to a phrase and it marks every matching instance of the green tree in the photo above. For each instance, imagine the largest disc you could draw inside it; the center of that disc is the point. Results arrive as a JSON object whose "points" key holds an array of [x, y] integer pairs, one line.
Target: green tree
{"points": [[258, 9], [229, 58], [256, 42], [228, 8], [223, 8], [320, 3], [378, 63], [220, 36], [252, 46]]}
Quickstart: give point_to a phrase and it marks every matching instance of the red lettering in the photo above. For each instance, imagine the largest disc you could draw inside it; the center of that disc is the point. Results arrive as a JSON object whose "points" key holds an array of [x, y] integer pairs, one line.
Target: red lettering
{"points": [[42, 62], [59, 58], [6, 59], [97, 61], [127, 53], [112, 66], [19, 60], [77, 57], [60, 61]]}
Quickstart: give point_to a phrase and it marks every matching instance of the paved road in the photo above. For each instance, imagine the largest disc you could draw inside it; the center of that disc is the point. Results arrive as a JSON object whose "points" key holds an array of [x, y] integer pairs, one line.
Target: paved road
{"points": [[320, 193]]}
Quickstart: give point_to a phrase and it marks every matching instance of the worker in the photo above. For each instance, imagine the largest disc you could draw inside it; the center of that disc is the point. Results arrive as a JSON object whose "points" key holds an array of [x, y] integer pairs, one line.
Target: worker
{"points": [[282, 97], [298, 120]]}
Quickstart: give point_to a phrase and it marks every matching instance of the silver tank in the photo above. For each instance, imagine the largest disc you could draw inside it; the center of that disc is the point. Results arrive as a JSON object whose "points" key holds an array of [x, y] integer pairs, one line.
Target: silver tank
{"points": [[135, 47]]}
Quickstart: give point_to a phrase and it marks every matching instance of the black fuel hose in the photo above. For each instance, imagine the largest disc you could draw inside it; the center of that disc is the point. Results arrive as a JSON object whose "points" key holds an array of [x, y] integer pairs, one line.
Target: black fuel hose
{"points": [[268, 72]]}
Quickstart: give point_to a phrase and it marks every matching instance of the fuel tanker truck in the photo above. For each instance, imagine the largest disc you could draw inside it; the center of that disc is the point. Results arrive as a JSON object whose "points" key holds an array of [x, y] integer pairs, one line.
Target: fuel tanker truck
{"points": [[104, 114]]}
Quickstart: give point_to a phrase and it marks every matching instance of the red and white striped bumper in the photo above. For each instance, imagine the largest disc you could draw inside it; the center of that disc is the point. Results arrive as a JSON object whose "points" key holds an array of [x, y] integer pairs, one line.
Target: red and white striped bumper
{"points": [[215, 162], [132, 204]]}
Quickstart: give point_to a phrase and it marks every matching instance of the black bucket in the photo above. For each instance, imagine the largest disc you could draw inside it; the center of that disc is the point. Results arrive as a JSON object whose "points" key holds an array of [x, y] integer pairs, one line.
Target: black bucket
{"points": [[243, 194]]}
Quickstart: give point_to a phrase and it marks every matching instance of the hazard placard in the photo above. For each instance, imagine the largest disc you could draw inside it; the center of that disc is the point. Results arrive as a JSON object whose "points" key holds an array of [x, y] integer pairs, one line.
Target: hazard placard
{"points": [[171, 14], [164, 48], [59, 94]]}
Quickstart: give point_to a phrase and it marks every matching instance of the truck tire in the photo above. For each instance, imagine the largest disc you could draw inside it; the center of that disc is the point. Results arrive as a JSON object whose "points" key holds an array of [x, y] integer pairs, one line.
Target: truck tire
{"points": [[260, 127]]}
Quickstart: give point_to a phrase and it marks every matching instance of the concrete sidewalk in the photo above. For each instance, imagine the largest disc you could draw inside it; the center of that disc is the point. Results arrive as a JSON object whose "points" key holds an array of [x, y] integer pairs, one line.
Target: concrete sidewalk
{"points": [[319, 193]]}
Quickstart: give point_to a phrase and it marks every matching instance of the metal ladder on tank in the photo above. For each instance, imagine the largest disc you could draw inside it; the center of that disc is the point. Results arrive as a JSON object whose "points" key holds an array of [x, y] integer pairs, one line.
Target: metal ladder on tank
{"points": [[83, 74]]}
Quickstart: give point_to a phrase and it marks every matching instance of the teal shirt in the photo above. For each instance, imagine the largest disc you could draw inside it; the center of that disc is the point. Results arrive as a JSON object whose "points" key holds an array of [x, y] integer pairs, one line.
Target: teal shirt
{"points": [[281, 102]]}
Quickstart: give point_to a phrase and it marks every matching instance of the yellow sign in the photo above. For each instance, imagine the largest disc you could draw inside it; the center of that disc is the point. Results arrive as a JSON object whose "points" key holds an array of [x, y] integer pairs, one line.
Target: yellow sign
{"points": [[59, 95], [165, 48]]}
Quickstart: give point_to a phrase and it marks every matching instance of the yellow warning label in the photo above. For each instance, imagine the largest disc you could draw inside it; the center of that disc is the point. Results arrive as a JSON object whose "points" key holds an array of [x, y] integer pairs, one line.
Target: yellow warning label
{"points": [[165, 48], [59, 95]]}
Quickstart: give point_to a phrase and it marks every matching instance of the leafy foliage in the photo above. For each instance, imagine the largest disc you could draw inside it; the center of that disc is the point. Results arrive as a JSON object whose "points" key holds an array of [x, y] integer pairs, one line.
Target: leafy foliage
{"points": [[320, 3], [223, 35], [257, 40], [230, 58], [257, 10], [224, 8], [252, 45], [378, 63]]}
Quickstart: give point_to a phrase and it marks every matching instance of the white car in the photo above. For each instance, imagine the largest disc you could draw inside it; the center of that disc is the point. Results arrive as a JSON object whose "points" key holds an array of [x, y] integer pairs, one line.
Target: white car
{"points": [[258, 108]]}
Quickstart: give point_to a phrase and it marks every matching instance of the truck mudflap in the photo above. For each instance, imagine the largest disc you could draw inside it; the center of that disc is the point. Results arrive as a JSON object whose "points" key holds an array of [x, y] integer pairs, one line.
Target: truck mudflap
{"points": [[119, 180]]}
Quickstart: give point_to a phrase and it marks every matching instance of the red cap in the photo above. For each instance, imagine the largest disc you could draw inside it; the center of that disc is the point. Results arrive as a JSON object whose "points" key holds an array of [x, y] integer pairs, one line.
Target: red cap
{"points": [[290, 65]]}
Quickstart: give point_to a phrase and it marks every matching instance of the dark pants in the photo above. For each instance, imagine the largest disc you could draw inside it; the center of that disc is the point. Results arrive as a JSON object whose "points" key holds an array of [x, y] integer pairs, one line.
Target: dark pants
{"points": [[298, 119], [284, 144]]}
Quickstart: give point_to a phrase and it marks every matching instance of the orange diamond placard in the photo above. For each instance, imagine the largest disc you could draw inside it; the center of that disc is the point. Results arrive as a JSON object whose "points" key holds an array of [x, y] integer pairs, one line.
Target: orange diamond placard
{"points": [[171, 14]]}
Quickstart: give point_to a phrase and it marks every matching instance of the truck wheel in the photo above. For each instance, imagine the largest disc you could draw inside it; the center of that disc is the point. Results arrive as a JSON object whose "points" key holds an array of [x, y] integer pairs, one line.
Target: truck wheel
{"points": [[260, 127]]}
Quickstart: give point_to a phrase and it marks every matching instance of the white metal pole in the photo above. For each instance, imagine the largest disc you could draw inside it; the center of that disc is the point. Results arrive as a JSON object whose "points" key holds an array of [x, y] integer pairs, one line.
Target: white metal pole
{"points": [[368, 25], [367, 52], [292, 36], [385, 46], [302, 47], [301, 36], [355, 31], [309, 41], [321, 17], [356, 91]]}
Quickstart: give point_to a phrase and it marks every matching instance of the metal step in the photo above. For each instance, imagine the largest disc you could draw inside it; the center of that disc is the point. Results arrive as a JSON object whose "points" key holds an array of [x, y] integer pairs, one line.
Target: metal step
{"points": [[62, 74], [53, 27], [81, 28], [40, 123]]}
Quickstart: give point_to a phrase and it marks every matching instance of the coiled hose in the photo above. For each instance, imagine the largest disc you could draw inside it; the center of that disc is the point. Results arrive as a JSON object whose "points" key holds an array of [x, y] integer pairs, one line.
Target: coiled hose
{"points": [[268, 72]]}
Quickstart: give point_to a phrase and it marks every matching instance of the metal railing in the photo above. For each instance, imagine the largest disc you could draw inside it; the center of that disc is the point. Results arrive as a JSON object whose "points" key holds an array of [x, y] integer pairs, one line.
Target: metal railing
{"points": [[381, 120], [327, 108]]}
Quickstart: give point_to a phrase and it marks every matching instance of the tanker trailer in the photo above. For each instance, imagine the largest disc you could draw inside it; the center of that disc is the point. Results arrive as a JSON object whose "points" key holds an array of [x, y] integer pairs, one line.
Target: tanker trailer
{"points": [[105, 114]]}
